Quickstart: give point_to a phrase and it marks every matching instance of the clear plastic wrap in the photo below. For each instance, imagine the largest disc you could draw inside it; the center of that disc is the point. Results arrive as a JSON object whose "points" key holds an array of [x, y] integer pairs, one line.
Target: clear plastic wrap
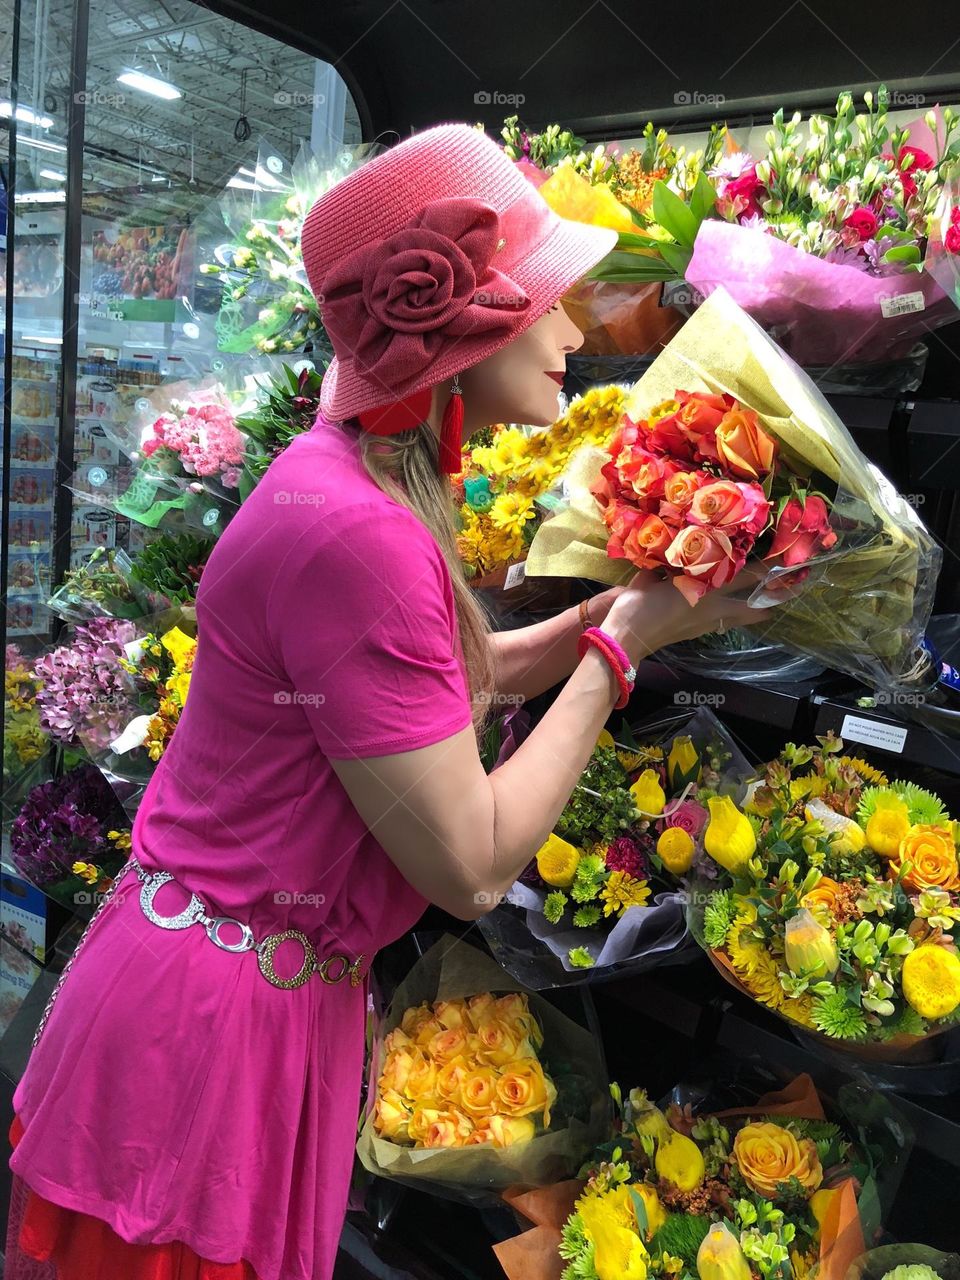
{"points": [[620, 319], [570, 1055], [739, 655], [875, 1264], [942, 261], [860, 606], [537, 953]]}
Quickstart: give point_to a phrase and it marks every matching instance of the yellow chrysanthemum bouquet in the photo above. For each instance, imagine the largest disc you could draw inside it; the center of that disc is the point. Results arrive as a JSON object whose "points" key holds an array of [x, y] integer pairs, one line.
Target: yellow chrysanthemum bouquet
{"points": [[501, 490], [844, 912], [768, 1191], [477, 1084]]}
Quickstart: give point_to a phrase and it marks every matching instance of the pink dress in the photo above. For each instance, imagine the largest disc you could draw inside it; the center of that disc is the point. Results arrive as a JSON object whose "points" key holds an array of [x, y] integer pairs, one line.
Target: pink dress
{"points": [[175, 1093]]}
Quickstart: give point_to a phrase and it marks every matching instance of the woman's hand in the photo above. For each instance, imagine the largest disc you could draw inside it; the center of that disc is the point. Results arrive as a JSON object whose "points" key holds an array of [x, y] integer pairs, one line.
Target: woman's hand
{"points": [[650, 612]]}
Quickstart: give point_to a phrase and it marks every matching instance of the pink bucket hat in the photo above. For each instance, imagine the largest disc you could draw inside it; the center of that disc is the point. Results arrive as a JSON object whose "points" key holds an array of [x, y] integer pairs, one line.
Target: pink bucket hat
{"points": [[426, 260]]}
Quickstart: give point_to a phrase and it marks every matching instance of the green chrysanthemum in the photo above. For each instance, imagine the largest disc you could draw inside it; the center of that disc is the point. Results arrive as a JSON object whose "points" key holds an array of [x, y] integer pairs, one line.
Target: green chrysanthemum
{"points": [[585, 917], [835, 1016], [922, 805], [718, 916], [581, 958], [554, 906]]}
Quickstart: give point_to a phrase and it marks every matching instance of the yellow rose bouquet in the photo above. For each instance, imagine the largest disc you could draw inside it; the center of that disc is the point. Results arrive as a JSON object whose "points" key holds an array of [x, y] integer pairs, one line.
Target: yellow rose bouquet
{"points": [[476, 1084], [844, 909], [766, 1192]]}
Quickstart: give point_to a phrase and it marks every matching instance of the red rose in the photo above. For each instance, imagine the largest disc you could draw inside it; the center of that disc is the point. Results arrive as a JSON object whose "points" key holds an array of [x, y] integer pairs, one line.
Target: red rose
{"points": [[910, 158], [955, 215], [669, 435], [801, 531], [645, 472], [863, 221], [951, 241], [699, 416]]}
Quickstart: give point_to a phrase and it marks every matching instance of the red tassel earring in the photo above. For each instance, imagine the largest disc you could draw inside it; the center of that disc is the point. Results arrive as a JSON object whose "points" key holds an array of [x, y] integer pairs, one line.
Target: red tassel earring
{"points": [[451, 432]]}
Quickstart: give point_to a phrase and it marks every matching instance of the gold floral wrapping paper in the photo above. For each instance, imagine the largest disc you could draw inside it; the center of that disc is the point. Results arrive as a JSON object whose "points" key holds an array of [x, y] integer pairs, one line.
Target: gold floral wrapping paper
{"points": [[864, 605]]}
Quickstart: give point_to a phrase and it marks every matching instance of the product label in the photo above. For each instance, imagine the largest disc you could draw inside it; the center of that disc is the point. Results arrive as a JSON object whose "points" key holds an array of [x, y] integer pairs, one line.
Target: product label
{"points": [[515, 575], [901, 304], [873, 733]]}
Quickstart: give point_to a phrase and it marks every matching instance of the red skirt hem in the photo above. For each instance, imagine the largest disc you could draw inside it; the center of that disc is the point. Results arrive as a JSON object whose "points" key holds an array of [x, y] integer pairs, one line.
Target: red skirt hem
{"points": [[83, 1247]]}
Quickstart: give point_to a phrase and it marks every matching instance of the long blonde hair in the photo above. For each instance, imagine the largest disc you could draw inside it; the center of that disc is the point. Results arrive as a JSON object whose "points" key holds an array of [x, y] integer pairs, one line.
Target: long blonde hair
{"points": [[406, 467]]}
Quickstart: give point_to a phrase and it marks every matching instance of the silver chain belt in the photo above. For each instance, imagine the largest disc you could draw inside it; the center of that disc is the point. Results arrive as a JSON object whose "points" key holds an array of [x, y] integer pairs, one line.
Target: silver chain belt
{"points": [[331, 970]]}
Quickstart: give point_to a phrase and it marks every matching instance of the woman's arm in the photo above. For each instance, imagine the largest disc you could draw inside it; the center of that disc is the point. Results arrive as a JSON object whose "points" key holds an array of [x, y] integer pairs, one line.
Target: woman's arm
{"points": [[460, 836], [532, 659]]}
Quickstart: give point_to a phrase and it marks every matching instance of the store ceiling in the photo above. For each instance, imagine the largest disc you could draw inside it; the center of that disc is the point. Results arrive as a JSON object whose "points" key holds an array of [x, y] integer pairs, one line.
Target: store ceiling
{"points": [[605, 66]]}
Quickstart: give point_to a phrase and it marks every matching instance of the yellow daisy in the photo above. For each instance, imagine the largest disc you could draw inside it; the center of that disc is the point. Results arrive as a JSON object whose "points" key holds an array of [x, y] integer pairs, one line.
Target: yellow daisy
{"points": [[511, 511], [622, 891], [866, 771]]}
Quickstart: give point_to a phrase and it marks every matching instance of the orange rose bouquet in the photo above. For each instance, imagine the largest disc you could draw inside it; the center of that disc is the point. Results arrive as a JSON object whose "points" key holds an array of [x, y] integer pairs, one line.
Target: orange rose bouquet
{"points": [[727, 453], [477, 1084]]}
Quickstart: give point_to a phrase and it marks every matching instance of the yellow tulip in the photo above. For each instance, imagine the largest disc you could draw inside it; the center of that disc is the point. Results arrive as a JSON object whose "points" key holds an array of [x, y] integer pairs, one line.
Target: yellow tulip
{"points": [[648, 795], [720, 1256], [845, 835], [683, 763], [675, 848], [729, 838], [808, 947], [605, 739], [680, 1161], [887, 826], [557, 861], [619, 1253]]}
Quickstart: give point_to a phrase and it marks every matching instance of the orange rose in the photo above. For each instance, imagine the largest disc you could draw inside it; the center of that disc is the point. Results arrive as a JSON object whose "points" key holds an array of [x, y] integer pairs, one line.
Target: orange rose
{"points": [[429, 1127], [448, 1044], [680, 488], [646, 543], [933, 857], [422, 1078], [479, 1092], [768, 1155], [524, 1089], [391, 1116], [397, 1068], [707, 558], [822, 900], [744, 446], [449, 1013], [450, 1079]]}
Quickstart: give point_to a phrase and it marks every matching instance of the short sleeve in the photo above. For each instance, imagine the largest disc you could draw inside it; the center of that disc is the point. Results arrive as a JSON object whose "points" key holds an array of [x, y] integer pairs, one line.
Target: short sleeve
{"points": [[363, 621]]}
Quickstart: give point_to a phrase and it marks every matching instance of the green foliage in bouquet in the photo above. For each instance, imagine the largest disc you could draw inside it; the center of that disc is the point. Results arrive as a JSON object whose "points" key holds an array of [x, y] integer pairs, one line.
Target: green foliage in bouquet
{"points": [[172, 564], [289, 407]]}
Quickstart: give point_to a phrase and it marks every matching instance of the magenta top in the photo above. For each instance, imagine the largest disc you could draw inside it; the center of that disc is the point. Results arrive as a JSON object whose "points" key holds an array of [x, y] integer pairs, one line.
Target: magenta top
{"points": [[175, 1093]]}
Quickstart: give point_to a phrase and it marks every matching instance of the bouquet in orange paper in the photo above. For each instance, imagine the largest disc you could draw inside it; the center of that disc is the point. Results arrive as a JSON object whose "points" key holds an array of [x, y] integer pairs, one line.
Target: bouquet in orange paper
{"points": [[727, 452]]}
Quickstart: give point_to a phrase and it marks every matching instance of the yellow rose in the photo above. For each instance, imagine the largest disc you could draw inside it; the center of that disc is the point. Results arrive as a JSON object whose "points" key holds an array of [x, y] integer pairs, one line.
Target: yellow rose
{"points": [[478, 1092], [445, 1045], [729, 838], [414, 1018], [478, 1007], [391, 1116], [426, 1029], [450, 1078], [648, 795], [397, 1068], [822, 900], [432, 1128], [557, 862], [720, 1256], [422, 1078], [933, 857], [675, 848], [656, 1214], [680, 1161], [768, 1155], [499, 1042], [524, 1089], [514, 1009], [450, 1013], [508, 1131], [887, 826], [931, 980], [808, 947], [396, 1039]]}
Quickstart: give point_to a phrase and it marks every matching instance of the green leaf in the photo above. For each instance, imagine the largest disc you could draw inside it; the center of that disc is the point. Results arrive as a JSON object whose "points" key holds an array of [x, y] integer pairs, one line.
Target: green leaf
{"points": [[632, 240], [640, 1212], [674, 215], [630, 268], [902, 253], [703, 197], [677, 257]]}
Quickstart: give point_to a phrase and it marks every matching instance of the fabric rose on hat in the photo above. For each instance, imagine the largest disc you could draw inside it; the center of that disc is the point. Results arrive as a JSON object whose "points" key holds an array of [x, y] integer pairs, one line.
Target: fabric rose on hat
{"points": [[394, 303]]}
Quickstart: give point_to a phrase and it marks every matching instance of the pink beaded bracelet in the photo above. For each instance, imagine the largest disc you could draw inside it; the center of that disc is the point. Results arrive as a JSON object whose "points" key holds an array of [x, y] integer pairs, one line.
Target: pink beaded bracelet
{"points": [[621, 666]]}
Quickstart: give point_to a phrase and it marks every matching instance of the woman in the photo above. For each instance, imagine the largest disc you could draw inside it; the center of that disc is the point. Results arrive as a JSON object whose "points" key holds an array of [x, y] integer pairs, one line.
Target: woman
{"points": [[190, 1109]]}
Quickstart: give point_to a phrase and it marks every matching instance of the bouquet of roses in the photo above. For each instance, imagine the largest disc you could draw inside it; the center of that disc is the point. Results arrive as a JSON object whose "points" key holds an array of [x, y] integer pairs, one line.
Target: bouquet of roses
{"points": [[604, 892], [503, 479], [726, 452], [476, 1084], [767, 1191], [844, 903]]}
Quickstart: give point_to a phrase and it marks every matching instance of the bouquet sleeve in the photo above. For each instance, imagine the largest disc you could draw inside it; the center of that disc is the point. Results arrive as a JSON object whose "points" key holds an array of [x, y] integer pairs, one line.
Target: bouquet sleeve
{"points": [[571, 1056], [863, 605]]}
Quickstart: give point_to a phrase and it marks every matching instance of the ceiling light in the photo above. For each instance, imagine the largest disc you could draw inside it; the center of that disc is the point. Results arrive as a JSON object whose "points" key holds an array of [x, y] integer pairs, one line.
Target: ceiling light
{"points": [[25, 115], [244, 185], [40, 197], [53, 174], [149, 84], [41, 143]]}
